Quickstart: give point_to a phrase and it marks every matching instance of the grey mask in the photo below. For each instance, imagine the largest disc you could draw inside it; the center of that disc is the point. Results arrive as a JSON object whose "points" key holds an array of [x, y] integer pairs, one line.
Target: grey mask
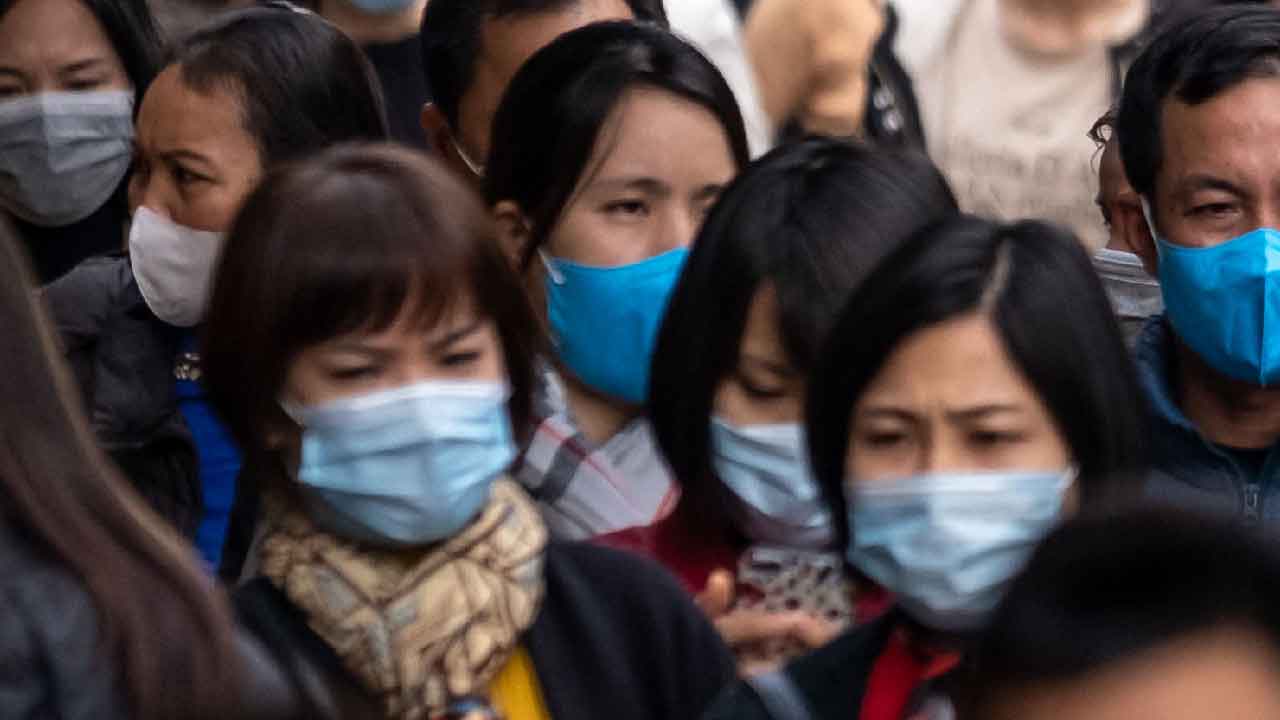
{"points": [[62, 155]]}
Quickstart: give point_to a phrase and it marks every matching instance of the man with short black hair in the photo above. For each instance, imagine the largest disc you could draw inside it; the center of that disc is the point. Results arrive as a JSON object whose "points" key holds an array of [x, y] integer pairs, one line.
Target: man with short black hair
{"points": [[1198, 125], [472, 48]]}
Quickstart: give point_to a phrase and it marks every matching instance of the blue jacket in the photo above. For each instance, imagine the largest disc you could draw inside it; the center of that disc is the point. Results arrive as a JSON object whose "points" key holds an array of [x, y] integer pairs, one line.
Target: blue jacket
{"points": [[1187, 469]]}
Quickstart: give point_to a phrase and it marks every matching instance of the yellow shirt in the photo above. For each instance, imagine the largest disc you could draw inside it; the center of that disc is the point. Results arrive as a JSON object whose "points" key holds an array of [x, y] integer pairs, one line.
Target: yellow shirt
{"points": [[515, 693]]}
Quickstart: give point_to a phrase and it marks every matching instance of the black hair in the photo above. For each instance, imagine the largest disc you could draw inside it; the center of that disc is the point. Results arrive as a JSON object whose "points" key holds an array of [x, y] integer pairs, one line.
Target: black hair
{"points": [[1102, 590], [1038, 286], [133, 33], [811, 220], [1193, 60], [452, 39], [546, 127], [302, 82]]}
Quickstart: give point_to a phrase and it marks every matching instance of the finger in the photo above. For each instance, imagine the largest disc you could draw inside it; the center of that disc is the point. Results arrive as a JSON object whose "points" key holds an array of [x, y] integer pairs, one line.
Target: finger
{"points": [[716, 599], [814, 632], [751, 626]]}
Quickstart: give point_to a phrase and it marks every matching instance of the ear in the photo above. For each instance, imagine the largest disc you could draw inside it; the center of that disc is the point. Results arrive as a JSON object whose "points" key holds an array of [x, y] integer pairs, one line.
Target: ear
{"points": [[1127, 218], [513, 231]]}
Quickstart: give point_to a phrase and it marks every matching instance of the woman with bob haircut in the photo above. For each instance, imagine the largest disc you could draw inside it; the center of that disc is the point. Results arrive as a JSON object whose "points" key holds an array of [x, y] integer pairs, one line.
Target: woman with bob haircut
{"points": [[252, 89], [782, 250], [71, 72], [974, 393], [609, 147], [372, 349], [104, 610]]}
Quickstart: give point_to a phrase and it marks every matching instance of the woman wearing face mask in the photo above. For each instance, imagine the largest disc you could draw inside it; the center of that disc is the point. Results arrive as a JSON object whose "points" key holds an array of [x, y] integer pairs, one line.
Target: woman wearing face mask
{"points": [[608, 149], [69, 73], [778, 256], [370, 344], [256, 88], [974, 392]]}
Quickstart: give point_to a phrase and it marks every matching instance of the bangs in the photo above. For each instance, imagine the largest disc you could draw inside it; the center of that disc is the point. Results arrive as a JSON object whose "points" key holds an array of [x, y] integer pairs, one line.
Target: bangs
{"points": [[374, 254]]}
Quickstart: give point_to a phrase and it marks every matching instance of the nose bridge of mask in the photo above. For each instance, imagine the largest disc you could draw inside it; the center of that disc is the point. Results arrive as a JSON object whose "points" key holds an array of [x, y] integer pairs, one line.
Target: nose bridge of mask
{"points": [[438, 404]]}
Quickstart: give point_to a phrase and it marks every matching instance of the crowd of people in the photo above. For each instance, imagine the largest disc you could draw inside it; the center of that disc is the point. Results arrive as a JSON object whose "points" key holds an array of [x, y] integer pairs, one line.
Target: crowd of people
{"points": [[534, 359]]}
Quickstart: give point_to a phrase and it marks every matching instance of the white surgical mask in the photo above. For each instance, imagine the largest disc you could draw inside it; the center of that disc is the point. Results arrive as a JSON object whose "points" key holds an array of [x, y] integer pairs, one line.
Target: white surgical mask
{"points": [[947, 545], [173, 266], [766, 468], [62, 155]]}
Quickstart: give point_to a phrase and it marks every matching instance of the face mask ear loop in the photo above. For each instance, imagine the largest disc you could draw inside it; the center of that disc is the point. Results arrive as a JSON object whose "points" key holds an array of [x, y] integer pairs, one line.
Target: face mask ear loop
{"points": [[1149, 216], [556, 276]]}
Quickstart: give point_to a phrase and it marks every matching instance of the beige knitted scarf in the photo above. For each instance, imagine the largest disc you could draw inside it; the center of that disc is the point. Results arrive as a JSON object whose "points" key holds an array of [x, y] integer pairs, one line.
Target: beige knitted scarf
{"points": [[419, 628]]}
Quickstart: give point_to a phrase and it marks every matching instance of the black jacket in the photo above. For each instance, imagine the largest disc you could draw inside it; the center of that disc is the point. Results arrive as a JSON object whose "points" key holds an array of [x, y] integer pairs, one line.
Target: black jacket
{"points": [[616, 638], [123, 358], [831, 681]]}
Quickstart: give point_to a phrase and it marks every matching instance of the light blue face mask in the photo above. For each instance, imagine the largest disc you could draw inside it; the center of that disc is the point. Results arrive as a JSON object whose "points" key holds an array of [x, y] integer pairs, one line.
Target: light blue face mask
{"points": [[767, 469], [404, 467], [948, 545], [1224, 301], [381, 7], [605, 319]]}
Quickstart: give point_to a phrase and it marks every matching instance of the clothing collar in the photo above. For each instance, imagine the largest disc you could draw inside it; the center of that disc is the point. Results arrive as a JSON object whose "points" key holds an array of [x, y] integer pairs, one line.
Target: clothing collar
{"points": [[1153, 356]]}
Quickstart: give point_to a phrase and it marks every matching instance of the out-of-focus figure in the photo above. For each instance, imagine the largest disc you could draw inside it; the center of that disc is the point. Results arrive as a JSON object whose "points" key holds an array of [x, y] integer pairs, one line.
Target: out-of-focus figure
{"points": [[714, 28], [472, 48], [1007, 90], [70, 71], [1148, 614], [1135, 293], [828, 67], [105, 613]]}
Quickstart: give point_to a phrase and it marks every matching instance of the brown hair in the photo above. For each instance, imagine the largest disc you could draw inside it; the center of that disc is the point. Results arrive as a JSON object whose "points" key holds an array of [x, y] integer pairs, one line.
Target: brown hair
{"points": [[340, 243], [163, 623]]}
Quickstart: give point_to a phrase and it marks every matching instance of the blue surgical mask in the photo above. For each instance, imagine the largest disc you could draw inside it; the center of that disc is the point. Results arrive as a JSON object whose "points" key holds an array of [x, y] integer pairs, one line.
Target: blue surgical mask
{"points": [[778, 501], [604, 320], [404, 467], [1224, 301], [947, 545], [381, 7]]}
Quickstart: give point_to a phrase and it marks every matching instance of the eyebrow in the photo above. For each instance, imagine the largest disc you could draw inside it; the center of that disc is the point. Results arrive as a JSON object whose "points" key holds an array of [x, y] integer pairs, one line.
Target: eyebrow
{"points": [[966, 415], [81, 65], [779, 369], [644, 184], [1201, 181], [189, 156], [456, 336]]}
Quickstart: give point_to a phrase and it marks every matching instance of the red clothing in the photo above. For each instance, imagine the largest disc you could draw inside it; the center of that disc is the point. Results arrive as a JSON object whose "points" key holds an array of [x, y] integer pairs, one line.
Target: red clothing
{"points": [[686, 555], [897, 673]]}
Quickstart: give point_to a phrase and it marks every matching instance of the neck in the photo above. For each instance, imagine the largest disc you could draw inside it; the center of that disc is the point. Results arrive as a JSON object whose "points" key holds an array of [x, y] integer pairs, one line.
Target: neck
{"points": [[598, 417], [368, 28], [1226, 411], [1056, 27]]}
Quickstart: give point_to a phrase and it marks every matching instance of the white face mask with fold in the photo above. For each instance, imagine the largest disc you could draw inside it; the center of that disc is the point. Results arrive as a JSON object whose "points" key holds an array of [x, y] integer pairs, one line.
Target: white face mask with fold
{"points": [[63, 155], [173, 266]]}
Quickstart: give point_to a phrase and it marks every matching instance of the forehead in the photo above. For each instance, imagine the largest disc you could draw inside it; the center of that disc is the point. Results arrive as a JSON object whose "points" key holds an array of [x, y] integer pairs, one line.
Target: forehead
{"points": [[52, 33], [653, 133], [1231, 136], [174, 115], [956, 364]]}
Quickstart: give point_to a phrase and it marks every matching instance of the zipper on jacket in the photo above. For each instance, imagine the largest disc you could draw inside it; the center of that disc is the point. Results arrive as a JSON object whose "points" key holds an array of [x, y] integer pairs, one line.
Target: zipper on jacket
{"points": [[1252, 503]]}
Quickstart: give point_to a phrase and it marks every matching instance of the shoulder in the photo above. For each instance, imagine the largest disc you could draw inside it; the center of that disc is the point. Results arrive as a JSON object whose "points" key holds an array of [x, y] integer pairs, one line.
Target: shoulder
{"points": [[606, 574], [97, 277], [50, 640]]}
